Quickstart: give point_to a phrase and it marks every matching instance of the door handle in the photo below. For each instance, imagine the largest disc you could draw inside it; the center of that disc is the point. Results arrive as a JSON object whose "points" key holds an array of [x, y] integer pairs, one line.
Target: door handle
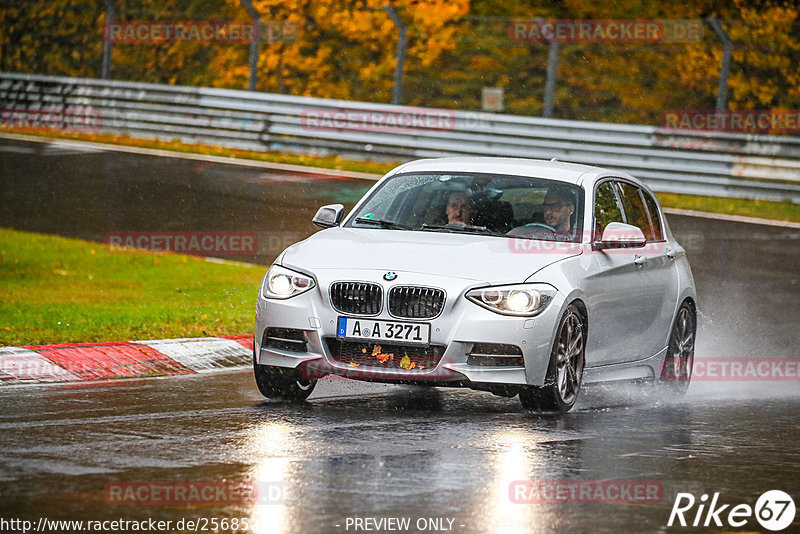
{"points": [[639, 260]]}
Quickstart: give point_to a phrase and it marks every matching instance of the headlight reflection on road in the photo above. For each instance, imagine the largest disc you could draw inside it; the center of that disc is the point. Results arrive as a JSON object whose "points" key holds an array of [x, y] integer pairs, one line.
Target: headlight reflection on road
{"points": [[270, 444], [512, 463]]}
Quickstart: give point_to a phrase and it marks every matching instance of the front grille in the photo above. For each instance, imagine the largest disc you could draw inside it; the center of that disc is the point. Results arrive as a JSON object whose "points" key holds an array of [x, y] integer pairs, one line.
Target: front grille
{"points": [[495, 355], [413, 302], [383, 355], [360, 298], [289, 339]]}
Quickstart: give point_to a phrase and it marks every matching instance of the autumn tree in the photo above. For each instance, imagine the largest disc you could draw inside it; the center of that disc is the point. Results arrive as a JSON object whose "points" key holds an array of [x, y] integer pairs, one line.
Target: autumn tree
{"points": [[346, 49], [341, 49], [60, 37], [766, 52]]}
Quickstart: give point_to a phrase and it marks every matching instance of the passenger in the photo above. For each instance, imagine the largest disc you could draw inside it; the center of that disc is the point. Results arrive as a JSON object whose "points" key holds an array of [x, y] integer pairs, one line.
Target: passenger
{"points": [[460, 209]]}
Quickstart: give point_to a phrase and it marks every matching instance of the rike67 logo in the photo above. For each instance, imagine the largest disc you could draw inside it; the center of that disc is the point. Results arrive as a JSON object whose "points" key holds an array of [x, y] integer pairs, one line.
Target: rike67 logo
{"points": [[774, 510]]}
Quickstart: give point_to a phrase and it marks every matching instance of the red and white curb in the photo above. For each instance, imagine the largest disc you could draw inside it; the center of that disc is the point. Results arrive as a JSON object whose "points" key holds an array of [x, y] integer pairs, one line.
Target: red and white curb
{"points": [[67, 362]]}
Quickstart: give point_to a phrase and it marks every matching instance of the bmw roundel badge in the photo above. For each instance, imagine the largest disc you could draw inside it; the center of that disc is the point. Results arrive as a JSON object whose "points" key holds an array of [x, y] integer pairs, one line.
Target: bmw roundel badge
{"points": [[390, 276]]}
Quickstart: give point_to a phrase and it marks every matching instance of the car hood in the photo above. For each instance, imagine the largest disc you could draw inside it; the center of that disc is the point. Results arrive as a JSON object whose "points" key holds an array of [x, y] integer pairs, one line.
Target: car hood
{"points": [[470, 257]]}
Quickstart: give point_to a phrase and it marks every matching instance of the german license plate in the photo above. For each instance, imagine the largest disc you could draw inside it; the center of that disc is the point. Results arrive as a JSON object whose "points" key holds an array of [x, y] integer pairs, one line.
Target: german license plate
{"points": [[372, 330]]}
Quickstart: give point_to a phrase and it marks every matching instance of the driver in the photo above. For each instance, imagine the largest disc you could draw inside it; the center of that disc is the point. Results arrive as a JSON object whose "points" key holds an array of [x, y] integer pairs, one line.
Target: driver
{"points": [[460, 208], [558, 207]]}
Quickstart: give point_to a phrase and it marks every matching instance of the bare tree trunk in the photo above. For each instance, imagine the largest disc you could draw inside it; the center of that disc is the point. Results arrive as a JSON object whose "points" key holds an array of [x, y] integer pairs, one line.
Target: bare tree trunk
{"points": [[727, 52], [257, 28], [111, 16], [397, 90]]}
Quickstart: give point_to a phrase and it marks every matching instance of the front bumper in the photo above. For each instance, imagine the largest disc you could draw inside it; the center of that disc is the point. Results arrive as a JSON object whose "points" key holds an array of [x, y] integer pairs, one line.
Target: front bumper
{"points": [[457, 329]]}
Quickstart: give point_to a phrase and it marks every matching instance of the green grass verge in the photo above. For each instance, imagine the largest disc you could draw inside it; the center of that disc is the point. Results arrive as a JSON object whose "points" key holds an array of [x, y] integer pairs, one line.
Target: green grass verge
{"points": [[58, 290], [784, 211]]}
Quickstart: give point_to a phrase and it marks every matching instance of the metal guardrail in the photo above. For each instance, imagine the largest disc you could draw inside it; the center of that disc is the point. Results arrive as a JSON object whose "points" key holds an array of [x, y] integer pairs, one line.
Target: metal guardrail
{"points": [[719, 164]]}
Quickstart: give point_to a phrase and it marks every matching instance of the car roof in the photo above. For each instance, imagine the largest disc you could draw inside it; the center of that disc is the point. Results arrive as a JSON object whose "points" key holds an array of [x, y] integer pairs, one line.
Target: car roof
{"points": [[573, 173]]}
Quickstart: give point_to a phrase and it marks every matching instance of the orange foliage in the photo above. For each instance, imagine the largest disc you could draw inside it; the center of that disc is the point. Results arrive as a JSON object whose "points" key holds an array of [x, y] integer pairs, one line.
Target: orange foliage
{"points": [[342, 49]]}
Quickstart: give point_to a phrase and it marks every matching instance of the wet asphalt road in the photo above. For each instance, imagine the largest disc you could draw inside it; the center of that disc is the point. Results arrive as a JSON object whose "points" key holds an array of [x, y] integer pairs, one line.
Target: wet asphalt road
{"points": [[358, 450], [378, 451], [92, 194]]}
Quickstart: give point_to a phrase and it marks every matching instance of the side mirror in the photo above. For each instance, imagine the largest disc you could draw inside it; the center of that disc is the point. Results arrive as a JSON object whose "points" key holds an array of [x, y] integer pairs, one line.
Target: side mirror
{"points": [[329, 216], [621, 235]]}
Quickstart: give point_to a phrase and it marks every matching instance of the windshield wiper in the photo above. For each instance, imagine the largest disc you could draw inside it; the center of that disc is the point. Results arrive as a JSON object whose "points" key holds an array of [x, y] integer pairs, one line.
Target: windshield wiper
{"points": [[461, 228], [383, 223]]}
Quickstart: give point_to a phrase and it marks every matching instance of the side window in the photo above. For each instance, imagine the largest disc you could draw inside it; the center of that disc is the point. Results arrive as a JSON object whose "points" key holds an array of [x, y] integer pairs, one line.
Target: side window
{"points": [[657, 234], [606, 208], [635, 212]]}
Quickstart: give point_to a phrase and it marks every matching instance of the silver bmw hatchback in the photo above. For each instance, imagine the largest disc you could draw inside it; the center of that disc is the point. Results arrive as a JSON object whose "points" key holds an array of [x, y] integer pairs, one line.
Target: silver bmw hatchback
{"points": [[513, 276]]}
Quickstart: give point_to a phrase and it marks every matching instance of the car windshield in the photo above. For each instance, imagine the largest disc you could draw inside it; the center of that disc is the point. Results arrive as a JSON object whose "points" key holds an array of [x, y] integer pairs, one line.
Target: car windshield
{"points": [[475, 203]]}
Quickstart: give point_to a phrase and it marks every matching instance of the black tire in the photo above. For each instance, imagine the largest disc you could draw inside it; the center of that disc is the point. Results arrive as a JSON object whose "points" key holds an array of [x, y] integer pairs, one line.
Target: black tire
{"points": [[281, 383], [565, 372], [676, 372]]}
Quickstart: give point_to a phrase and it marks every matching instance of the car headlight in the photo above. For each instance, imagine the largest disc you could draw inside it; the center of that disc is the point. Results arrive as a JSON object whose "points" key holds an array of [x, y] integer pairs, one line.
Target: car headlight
{"points": [[282, 283], [524, 300]]}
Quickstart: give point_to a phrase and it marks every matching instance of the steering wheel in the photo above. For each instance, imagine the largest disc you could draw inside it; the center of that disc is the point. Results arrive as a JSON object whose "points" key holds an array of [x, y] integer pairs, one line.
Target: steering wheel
{"points": [[531, 229], [534, 226]]}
